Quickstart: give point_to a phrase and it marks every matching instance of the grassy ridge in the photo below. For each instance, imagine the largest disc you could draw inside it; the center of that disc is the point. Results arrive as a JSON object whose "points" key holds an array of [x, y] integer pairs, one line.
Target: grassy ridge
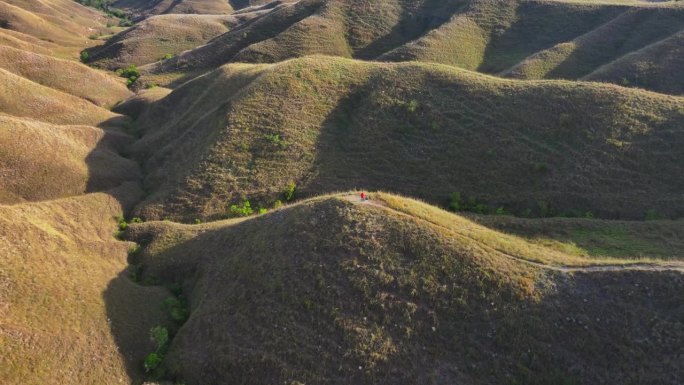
{"points": [[64, 75], [329, 124], [393, 298], [22, 98], [655, 67], [159, 36], [61, 302], [42, 161], [523, 39]]}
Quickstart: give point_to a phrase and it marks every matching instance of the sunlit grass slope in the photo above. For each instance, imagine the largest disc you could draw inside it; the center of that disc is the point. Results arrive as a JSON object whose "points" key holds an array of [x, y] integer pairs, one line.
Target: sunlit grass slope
{"points": [[329, 124], [67, 313], [44, 161]]}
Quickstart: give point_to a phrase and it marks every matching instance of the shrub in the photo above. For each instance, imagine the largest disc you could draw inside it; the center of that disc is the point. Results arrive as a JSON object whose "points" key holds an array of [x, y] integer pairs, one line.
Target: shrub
{"points": [[290, 191], [167, 56], [136, 220], [262, 210], [277, 204], [412, 106], [276, 140], [456, 203], [177, 308], [160, 336], [198, 221], [243, 210], [152, 362], [131, 73], [85, 56]]}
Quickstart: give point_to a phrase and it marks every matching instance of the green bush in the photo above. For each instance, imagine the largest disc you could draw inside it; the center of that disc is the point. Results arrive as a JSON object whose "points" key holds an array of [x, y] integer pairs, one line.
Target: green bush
{"points": [[160, 336], [177, 308], [290, 190], [85, 56], [152, 362], [243, 210], [276, 140], [456, 203], [167, 56]]}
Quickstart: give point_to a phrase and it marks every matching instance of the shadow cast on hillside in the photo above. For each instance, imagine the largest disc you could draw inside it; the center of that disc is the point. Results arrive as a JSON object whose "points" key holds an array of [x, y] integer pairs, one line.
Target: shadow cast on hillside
{"points": [[412, 25], [618, 327]]}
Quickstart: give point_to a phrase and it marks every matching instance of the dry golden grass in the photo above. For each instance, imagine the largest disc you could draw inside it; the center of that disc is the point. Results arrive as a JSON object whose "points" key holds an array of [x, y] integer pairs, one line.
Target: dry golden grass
{"points": [[427, 131], [159, 7], [65, 23], [331, 291], [23, 98], [42, 161], [151, 39], [64, 75], [66, 309]]}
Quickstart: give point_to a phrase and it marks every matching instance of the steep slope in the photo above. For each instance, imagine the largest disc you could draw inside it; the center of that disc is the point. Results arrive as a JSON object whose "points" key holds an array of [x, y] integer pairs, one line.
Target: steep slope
{"points": [[65, 23], [159, 7], [631, 31], [329, 291], [517, 38], [211, 7], [341, 28], [328, 124], [23, 98], [64, 75], [658, 67], [63, 300], [150, 40], [43, 161]]}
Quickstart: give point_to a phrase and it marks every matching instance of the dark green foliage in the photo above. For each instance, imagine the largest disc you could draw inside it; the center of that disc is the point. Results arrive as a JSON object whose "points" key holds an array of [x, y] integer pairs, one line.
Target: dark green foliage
{"points": [[178, 308], [85, 56], [152, 362]]}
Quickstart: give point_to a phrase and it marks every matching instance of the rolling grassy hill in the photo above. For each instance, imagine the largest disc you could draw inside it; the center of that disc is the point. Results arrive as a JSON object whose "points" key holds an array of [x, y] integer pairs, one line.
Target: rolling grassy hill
{"points": [[327, 289], [428, 131], [43, 161], [23, 98], [64, 75], [523, 38], [159, 7], [62, 26], [656, 67], [159, 36], [65, 312], [395, 297]]}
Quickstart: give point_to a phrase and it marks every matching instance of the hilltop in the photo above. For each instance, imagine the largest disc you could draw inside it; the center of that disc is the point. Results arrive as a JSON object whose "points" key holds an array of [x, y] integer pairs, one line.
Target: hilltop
{"points": [[429, 131], [523, 38], [395, 297]]}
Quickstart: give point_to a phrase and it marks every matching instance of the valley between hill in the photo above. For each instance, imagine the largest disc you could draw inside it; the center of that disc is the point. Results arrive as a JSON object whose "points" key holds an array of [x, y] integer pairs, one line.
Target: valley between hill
{"points": [[195, 217]]}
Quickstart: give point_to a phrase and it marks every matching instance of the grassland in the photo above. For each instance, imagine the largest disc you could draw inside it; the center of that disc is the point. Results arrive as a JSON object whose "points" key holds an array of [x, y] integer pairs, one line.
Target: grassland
{"points": [[65, 312], [399, 297], [160, 37], [522, 39], [427, 131], [329, 289]]}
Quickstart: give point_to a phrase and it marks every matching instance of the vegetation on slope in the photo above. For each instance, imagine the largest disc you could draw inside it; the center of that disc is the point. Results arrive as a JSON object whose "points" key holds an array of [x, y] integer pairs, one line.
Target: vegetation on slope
{"points": [[66, 308], [328, 291], [658, 67], [160, 37], [65, 23], [64, 75], [44, 161], [327, 124], [522, 38], [23, 98]]}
